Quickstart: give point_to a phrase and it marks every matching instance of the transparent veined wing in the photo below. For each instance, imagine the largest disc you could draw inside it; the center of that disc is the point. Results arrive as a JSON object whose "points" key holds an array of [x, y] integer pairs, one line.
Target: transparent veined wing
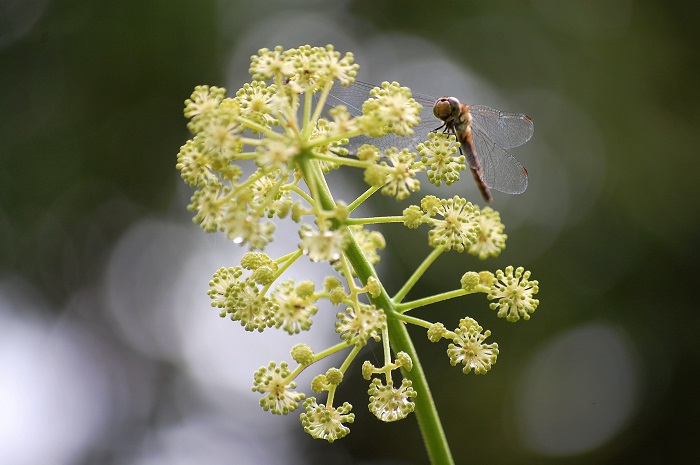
{"points": [[355, 95], [493, 131], [507, 130], [502, 171]]}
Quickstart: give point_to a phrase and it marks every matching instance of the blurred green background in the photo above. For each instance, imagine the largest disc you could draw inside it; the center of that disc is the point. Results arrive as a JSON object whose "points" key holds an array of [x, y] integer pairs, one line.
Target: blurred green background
{"points": [[109, 352]]}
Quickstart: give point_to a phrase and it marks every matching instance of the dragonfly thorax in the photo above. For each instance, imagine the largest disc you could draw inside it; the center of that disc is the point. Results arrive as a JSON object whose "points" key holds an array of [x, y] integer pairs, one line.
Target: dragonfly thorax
{"points": [[446, 109]]}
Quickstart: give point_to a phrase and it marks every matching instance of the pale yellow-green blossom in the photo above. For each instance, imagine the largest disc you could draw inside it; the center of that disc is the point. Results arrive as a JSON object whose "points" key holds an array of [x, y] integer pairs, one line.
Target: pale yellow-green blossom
{"points": [[358, 325], [491, 239], [400, 179], [513, 293], [438, 155], [259, 162], [392, 110], [295, 307], [388, 403], [272, 381], [327, 423], [302, 354], [458, 227], [469, 349]]}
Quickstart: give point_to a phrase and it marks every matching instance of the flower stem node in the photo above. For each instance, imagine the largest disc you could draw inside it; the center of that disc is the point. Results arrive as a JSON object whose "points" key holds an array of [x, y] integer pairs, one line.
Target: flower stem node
{"points": [[320, 384], [263, 276], [486, 278], [255, 260], [305, 289], [374, 287], [469, 281], [274, 382], [469, 349], [388, 403], [302, 354], [334, 376], [327, 423], [330, 283], [436, 332], [413, 217], [298, 210], [341, 212], [368, 369], [337, 295], [514, 293], [404, 360]]}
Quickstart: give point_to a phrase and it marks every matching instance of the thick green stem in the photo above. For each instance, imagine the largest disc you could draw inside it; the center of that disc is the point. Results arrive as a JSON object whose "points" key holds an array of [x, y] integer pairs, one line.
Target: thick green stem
{"points": [[426, 412]]}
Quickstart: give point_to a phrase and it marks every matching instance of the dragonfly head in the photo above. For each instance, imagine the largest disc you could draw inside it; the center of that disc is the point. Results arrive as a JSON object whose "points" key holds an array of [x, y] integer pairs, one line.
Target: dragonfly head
{"points": [[446, 108]]}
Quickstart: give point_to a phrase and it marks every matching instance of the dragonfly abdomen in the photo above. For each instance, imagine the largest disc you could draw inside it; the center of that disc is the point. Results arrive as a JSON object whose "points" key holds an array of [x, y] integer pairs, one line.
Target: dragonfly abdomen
{"points": [[463, 131]]}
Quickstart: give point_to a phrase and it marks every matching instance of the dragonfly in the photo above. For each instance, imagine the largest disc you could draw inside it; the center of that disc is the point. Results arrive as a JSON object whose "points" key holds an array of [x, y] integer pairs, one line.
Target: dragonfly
{"points": [[484, 135]]}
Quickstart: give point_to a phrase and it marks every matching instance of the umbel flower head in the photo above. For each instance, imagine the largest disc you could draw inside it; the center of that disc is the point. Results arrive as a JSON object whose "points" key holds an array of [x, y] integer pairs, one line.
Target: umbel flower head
{"points": [[490, 240], [514, 293], [327, 423], [241, 299], [273, 381], [458, 227], [262, 155], [261, 123], [357, 326], [468, 348], [439, 154], [295, 306], [388, 403]]}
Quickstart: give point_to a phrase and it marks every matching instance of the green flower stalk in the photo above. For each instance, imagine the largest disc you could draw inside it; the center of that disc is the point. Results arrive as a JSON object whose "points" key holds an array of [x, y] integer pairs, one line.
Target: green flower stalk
{"points": [[262, 155]]}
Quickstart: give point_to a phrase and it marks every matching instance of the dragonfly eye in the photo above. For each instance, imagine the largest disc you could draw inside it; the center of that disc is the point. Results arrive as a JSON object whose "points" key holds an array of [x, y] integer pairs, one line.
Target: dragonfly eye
{"points": [[446, 108]]}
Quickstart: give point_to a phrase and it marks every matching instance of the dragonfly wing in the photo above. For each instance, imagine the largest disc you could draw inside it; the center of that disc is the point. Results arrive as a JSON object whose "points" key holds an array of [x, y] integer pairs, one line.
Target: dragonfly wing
{"points": [[506, 129], [502, 172], [352, 96], [355, 95]]}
